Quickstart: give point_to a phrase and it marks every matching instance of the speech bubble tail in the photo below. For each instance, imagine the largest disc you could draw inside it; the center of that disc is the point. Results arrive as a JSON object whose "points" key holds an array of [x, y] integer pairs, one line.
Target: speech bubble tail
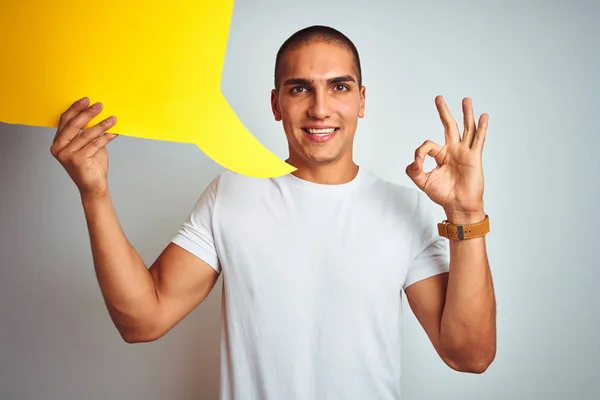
{"points": [[263, 164], [228, 142]]}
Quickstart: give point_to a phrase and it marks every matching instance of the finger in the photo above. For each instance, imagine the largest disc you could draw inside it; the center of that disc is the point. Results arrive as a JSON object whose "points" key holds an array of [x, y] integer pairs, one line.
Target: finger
{"points": [[450, 125], [427, 148], [481, 133], [416, 173], [92, 147], [90, 134], [74, 125], [469, 122], [415, 169], [72, 111]]}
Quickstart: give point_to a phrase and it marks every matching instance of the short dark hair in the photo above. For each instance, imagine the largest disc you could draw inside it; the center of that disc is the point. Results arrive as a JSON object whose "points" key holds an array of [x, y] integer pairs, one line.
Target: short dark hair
{"points": [[319, 34]]}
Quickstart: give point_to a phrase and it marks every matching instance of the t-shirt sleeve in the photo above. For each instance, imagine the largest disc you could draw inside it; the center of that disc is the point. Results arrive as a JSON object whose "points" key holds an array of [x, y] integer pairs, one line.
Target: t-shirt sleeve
{"points": [[196, 232], [429, 250]]}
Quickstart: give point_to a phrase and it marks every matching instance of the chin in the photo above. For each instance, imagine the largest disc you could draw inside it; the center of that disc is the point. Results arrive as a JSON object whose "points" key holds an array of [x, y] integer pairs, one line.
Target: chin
{"points": [[315, 153], [321, 159]]}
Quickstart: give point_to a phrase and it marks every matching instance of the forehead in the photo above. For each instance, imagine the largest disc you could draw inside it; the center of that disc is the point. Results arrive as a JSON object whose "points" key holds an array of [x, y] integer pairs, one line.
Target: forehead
{"points": [[316, 60]]}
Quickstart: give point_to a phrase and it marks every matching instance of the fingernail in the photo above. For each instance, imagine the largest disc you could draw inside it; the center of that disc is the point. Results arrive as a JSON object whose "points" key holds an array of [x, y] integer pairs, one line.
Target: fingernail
{"points": [[97, 105], [83, 100]]}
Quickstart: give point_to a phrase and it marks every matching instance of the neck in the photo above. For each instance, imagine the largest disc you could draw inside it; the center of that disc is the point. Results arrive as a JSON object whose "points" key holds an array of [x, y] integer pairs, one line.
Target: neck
{"points": [[326, 174]]}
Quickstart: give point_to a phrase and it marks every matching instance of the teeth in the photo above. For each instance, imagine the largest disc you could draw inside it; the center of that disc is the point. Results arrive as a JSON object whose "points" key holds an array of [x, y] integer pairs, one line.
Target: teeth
{"points": [[320, 131]]}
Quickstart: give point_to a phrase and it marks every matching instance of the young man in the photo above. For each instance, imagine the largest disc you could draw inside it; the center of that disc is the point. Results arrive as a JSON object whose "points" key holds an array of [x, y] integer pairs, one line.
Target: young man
{"points": [[314, 263]]}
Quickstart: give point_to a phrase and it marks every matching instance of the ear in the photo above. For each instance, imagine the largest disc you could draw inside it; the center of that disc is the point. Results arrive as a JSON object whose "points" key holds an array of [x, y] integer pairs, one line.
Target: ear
{"points": [[363, 95], [275, 105]]}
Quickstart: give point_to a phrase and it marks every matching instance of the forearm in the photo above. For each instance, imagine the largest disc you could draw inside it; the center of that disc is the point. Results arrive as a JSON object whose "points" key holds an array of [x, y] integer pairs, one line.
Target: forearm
{"points": [[468, 325], [126, 284]]}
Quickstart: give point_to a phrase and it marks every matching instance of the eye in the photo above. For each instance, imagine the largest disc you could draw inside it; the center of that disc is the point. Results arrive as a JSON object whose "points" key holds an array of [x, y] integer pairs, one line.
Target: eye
{"points": [[341, 88], [297, 89]]}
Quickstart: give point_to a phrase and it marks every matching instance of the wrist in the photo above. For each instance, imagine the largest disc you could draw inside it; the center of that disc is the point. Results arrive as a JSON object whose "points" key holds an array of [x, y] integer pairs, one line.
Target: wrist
{"points": [[464, 218], [88, 199]]}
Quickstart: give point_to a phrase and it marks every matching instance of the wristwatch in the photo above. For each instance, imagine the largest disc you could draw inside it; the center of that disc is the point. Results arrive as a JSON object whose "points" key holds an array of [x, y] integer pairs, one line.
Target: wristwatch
{"points": [[464, 232]]}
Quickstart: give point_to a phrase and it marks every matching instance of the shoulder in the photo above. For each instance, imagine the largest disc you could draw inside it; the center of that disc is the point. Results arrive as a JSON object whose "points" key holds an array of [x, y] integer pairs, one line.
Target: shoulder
{"points": [[391, 193], [399, 203], [230, 187], [233, 182]]}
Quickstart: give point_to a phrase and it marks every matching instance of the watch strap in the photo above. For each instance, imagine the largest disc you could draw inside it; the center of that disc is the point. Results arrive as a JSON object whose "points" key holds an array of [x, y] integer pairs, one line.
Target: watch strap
{"points": [[464, 231]]}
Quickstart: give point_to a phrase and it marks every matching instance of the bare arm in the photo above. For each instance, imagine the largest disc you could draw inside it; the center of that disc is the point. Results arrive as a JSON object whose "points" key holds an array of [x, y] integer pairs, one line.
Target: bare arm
{"points": [[458, 309], [468, 326], [143, 303]]}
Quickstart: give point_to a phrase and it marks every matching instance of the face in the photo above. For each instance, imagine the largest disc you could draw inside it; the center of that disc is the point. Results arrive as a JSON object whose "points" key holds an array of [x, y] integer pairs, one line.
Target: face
{"points": [[319, 103]]}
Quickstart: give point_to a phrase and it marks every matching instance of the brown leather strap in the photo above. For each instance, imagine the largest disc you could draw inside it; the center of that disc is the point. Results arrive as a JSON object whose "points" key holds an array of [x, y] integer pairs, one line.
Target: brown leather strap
{"points": [[464, 232]]}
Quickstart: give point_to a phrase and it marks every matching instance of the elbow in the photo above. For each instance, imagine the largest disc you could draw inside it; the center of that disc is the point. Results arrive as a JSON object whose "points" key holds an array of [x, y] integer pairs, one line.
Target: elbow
{"points": [[481, 366], [137, 328], [137, 338], [138, 334], [473, 360], [476, 367]]}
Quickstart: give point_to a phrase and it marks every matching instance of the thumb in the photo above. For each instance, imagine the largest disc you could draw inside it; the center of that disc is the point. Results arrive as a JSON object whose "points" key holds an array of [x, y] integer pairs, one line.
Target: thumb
{"points": [[416, 173]]}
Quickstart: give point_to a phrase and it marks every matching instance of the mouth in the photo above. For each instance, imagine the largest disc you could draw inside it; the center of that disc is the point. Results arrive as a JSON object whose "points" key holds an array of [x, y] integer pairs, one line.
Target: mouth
{"points": [[320, 131], [320, 134]]}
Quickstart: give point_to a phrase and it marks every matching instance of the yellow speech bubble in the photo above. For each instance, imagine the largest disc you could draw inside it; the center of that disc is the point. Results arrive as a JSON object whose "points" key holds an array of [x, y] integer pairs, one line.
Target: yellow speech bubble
{"points": [[155, 65]]}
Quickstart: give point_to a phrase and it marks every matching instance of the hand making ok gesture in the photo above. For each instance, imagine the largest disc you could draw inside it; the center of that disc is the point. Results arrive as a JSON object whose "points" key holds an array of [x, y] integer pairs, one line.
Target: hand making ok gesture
{"points": [[456, 183]]}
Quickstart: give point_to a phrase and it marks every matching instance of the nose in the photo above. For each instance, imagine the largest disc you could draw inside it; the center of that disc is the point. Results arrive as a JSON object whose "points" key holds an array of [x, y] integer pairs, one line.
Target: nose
{"points": [[319, 107]]}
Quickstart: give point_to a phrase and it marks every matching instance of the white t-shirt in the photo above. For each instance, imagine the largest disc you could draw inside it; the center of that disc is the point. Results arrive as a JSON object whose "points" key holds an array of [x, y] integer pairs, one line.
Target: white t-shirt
{"points": [[312, 281]]}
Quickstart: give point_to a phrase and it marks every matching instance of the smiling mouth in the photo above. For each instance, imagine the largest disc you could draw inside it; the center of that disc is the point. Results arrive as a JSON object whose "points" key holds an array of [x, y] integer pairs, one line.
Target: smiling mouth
{"points": [[320, 132]]}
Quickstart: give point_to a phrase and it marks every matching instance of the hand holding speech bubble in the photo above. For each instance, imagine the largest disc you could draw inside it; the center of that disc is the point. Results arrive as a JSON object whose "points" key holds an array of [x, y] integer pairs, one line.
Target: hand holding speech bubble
{"points": [[156, 66]]}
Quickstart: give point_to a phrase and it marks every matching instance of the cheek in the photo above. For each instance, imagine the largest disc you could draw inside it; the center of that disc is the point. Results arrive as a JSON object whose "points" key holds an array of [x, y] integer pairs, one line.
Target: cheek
{"points": [[291, 113], [349, 111], [290, 118]]}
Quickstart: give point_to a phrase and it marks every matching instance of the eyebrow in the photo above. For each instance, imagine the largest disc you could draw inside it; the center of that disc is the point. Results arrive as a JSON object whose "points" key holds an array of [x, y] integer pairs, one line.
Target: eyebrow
{"points": [[307, 82]]}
